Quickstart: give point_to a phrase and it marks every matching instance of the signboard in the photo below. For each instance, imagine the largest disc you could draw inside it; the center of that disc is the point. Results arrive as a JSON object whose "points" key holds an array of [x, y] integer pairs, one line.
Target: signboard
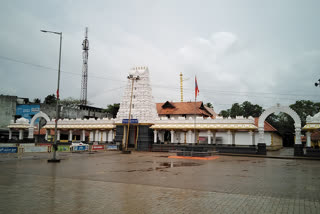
{"points": [[97, 147], [131, 120], [28, 111], [36, 149], [80, 148], [112, 147], [63, 148], [8, 144], [8, 149]]}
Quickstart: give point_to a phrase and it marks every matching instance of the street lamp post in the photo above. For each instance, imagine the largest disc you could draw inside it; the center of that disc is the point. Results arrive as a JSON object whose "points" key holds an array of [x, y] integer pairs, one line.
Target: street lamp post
{"points": [[54, 159], [132, 78]]}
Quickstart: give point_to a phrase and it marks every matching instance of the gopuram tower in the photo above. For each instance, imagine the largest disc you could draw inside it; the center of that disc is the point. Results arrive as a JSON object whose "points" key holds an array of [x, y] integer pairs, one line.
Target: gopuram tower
{"points": [[140, 115]]}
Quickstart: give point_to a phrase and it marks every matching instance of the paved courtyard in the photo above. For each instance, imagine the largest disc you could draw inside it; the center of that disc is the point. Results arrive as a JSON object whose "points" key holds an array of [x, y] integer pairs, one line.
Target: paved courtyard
{"points": [[110, 182]]}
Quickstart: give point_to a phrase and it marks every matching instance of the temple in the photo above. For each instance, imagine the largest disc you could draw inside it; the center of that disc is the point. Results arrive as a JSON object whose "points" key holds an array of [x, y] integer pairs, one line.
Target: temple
{"points": [[141, 123]]}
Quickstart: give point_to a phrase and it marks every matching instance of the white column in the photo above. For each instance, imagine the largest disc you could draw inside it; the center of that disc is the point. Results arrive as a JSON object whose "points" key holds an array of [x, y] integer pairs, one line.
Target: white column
{"points": [[21, 134], [298, 135], [308, 139], [58, 135], [10, 134], [182, 137], [214, 137], [91, 136], [105, 136], [110, 135], [261, 135], [70, 135], [251, 142], [189, 138], [83, 135], [31, 132], [172, 136], [155, 136], [96, 135], [229, 137], [233, 138], [47, 134], [209, 137]]}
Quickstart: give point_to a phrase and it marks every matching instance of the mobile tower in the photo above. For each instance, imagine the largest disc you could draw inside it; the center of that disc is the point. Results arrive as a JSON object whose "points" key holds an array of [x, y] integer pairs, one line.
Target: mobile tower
{"points": [[84, 81]]}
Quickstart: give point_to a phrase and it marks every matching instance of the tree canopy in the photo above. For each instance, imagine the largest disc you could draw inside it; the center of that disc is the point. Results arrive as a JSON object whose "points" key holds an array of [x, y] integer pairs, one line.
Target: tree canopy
{"points": [[50, 99], [113, 109], [245, 109]]}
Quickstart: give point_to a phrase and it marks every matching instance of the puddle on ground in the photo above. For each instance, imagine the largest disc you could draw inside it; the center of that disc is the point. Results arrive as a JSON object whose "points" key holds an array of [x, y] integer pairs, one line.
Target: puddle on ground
{"points": [[162, 167], [178, 164]]}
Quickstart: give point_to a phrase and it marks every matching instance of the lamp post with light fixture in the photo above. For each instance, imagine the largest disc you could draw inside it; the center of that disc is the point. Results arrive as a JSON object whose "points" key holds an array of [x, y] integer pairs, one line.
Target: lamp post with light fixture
{"points": [[132, 78], [54, 159]]}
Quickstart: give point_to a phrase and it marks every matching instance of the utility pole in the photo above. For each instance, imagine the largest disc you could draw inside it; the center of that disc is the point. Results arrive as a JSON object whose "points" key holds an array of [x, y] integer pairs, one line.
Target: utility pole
{"points": [[84, 80]]}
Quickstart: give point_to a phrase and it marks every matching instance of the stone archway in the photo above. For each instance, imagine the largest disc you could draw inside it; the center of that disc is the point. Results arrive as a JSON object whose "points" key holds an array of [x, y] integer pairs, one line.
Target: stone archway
{"points": [[285, 109], [38, 115]]}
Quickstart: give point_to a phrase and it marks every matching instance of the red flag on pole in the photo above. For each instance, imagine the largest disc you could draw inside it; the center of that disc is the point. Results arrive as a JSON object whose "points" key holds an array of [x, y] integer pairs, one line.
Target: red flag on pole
{"points": [[57, 94], [196, 90]]}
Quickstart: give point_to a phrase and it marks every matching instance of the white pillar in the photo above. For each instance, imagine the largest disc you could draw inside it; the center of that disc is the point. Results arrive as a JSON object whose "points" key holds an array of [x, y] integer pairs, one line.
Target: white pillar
{"points": [[189, 138], [172, 136], [83, 135], [96, 135], [209, 137], [308, 139], [31, 132], [91, 136], [229, 137], [233, 138], [110, 136], [21, 134], [105, 136], [58, 135], [298, 135], [155, 136], [251, 141], [214, 141], [70, 135], [261, 135], [182, 136], [47, 134], [10, 134]]}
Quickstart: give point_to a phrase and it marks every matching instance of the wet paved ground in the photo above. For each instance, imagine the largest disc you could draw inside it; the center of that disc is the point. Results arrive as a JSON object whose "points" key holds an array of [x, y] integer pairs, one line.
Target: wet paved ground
{"points": [[109, 182]]}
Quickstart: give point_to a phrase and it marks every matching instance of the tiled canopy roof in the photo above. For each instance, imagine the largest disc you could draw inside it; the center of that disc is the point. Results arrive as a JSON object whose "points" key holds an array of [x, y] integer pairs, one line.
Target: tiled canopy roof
{"points": [[267, 126], [187, 108]]}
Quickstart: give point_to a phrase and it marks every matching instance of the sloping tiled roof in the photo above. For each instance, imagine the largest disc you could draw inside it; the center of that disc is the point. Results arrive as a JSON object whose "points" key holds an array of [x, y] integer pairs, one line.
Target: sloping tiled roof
{"points": [[188, 108], [267, 126]]}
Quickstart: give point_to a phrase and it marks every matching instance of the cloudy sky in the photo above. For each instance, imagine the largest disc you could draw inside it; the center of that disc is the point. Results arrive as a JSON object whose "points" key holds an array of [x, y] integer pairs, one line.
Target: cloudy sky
{"points": [[266, 52]]}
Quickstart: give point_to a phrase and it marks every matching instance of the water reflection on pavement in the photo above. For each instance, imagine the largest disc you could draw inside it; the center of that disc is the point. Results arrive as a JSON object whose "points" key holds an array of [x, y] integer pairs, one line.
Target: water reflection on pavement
{"points": [[152, 183]]}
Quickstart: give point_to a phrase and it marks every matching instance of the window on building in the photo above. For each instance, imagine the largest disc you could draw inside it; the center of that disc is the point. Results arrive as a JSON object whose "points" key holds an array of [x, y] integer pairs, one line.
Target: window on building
{"points": [[132, 105]]}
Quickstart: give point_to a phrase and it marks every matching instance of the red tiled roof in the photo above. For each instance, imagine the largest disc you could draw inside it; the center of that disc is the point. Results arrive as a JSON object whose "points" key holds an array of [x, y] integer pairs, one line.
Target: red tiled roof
{"points": [[188, 108], [267, 126]]}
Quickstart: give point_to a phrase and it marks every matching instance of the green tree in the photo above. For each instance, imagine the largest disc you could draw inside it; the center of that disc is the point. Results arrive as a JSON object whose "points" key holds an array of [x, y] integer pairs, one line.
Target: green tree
{"points": [[305, 108], [245, 109], [36, 100], [50, 99], [113, 109], [209, 105], [248, 109]]}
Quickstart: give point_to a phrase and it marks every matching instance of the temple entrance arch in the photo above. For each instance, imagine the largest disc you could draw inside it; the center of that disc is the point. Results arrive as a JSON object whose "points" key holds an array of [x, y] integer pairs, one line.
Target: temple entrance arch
{"points": [[36, 116], [284, 109]]}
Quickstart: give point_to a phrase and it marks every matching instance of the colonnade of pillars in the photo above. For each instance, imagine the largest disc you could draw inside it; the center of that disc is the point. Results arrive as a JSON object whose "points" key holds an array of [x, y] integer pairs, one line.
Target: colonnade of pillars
{"points": [[94, 135], [189, 136]]}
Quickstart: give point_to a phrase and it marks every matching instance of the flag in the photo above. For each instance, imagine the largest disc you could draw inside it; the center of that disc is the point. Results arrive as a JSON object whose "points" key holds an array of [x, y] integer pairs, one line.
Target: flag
{"points": [[196, 90], [57, 94]]}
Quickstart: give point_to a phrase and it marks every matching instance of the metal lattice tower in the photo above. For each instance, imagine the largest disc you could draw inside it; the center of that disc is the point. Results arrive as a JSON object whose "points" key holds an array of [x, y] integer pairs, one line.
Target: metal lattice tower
{"points": [[84, 81]]}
